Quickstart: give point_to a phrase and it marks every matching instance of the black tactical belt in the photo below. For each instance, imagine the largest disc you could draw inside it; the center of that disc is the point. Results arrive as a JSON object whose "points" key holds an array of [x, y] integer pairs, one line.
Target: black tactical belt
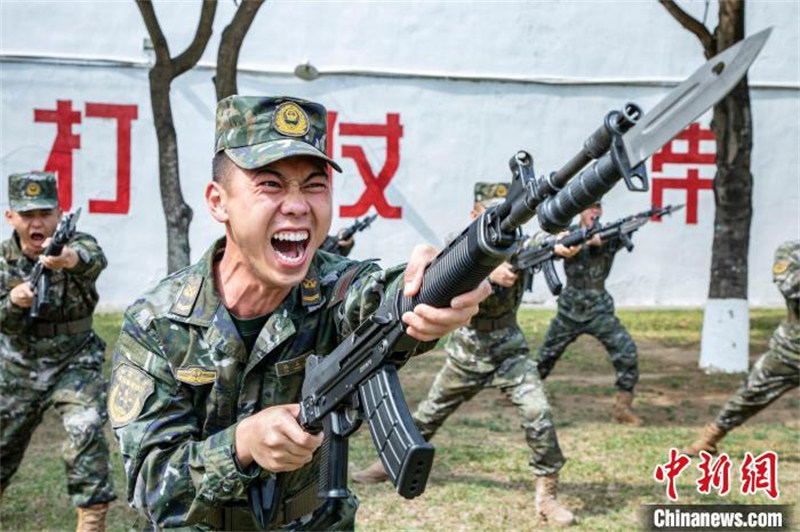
{"points": [[302, 503], [237, 516], [587, 284], [489, 324], [47, 329]]}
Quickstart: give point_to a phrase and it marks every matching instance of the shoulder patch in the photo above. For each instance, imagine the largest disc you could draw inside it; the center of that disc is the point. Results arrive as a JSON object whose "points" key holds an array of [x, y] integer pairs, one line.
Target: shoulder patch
{"points": [[191, 288], [130, 388], [780, 266], [196, 375]]}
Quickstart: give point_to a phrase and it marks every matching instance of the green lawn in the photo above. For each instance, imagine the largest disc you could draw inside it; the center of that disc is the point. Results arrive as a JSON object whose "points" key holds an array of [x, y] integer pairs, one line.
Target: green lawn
{"points": [[481, 480]]}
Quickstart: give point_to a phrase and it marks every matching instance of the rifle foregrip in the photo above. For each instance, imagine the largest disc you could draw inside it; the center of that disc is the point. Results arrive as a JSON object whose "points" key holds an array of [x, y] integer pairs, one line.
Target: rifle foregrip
{"points": [[405, 454], [556, 212], [459, 268]]}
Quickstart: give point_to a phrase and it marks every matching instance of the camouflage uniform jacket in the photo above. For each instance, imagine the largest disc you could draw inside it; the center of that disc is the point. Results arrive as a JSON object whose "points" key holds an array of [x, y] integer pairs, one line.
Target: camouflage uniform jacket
{"points": [[182, 379], [585, 295], [786, 276], [73, 296]]}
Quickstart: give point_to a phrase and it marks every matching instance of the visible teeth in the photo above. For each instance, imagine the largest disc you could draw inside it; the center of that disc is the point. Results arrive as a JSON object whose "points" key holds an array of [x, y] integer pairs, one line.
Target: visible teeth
{"points": [[293, 236], [293, 260]]}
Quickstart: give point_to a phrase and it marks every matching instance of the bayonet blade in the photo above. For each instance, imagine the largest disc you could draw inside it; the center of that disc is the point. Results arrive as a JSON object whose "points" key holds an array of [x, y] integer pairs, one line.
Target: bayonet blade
{"points": [[709, 84]]}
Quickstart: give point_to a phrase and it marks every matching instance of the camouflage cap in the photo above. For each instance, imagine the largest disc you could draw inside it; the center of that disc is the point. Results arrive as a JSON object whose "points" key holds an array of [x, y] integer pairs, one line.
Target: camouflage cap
{"points": [[255, 131], [490, 194], [31, 191]]}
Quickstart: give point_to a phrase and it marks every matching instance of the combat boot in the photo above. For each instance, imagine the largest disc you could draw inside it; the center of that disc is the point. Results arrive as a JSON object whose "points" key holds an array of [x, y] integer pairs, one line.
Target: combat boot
{"points": [[548, 507], [623, 413], [92, 518], [374, 474], [712, 434]]}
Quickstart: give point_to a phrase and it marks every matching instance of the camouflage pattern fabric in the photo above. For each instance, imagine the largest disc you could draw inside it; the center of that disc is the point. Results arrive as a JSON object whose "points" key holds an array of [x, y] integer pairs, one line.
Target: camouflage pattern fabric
{"points": [[255, 131], [62, 371], [490, 194], [31, 191], [182, 379], [778, 370], [476, 360], [590, 311]]}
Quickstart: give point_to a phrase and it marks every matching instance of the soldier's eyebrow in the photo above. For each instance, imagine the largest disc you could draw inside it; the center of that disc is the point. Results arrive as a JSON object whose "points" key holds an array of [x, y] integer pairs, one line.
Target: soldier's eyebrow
{"points": [[317, 172]]}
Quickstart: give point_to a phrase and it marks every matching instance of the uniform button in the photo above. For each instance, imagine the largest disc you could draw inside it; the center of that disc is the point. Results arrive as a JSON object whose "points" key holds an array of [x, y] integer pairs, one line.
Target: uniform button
{"points": [[278, 326]]}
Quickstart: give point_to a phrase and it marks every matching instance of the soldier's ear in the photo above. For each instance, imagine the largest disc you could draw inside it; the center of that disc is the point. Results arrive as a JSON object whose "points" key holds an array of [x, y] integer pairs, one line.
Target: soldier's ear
{"points": [[216, 199]]}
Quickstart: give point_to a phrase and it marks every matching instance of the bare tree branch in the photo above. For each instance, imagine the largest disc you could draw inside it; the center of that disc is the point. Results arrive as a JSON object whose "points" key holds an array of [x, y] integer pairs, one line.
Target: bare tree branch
{"points": [[160, 45], [693, 25], [229, 46], [194, 51], [177, 213]]}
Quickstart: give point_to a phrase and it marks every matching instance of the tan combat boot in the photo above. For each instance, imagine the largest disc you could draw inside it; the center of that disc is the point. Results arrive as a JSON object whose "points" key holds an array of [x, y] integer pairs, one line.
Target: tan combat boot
{"points": [[92, 518], [374, 474], [548, 508], [712, 434], [623, 412]]}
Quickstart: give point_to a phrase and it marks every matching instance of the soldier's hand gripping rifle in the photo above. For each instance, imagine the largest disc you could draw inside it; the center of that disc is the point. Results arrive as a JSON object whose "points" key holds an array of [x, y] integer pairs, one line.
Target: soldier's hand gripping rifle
{"points": [[39, 277], [358, 380], [540, 257], [331, 244]]}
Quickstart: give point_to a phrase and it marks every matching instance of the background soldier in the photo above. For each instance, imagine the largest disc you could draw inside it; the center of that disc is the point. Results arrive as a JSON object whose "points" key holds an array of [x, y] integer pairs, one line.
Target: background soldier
{"points": [[342, 247], [585, 307], [777, 371], [209, 364], [492, 351], [55, 359]]}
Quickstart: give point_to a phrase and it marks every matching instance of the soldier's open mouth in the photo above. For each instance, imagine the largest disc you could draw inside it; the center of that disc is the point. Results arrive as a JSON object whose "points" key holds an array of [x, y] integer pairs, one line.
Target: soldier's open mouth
{"points": [[37, 238], [290, 246]]}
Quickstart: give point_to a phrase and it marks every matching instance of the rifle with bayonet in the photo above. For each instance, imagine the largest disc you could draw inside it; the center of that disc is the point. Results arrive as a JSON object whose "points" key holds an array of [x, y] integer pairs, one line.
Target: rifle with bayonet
{"points": [[539, 257], [39, 277], [358, 380], [331, 244]]}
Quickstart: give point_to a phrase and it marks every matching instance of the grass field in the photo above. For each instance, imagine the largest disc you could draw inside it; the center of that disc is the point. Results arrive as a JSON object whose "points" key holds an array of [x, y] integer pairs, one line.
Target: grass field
{"points": [[481, 480]]}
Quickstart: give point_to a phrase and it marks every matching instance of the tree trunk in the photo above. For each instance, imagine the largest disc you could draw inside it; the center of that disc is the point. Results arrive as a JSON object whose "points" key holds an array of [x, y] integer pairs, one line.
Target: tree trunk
{"points": [[178, 214], [726, 320], [229, 46], [733, 182]]}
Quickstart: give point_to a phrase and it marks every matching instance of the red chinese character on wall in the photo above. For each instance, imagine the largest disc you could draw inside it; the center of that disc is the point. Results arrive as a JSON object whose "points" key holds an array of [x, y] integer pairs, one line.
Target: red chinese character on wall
{"points": [[760, 473], [60, 158], [693, 159], [66, 141], [716, 473], [373, 195], [669, 472]]}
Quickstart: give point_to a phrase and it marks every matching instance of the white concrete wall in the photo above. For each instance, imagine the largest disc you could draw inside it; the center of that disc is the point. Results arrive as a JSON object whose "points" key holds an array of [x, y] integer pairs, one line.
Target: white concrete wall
{"points": [[455, 132]]}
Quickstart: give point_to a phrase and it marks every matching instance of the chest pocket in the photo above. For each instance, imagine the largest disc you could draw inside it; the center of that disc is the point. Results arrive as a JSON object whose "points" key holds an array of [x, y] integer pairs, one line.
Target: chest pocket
{"points": [[283, 380]]}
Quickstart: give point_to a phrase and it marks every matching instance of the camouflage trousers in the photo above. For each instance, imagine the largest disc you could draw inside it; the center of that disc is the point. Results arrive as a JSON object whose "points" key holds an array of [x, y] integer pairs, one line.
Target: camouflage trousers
{"points": [[78, 393], [607, 328], [771, 376], [500, 358]]}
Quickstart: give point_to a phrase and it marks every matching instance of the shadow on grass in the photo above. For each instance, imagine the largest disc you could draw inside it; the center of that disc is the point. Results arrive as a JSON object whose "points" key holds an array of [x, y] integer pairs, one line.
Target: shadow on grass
{"points": [[601, 498]]}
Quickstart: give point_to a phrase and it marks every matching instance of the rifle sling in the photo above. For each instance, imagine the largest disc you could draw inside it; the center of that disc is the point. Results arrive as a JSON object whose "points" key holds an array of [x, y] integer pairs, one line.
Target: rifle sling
{"points": [[47, 329], [489, 324]]}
